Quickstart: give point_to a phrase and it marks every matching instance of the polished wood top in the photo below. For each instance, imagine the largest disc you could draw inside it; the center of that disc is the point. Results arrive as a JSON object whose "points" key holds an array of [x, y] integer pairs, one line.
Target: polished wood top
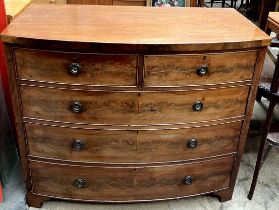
{"points": [[135, 25], [14, 7]]}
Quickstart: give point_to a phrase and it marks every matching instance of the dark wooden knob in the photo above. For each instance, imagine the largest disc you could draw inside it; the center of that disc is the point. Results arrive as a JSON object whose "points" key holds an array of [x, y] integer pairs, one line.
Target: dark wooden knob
{"points": [[197, 106], [202, 71], [80, 183], [78, 145], [76, 107], [192, 143], [187, 180], [74, 69]]}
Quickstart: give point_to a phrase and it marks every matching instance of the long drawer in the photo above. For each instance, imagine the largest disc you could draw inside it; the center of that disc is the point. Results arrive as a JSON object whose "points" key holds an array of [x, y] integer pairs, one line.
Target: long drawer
{"points": [[130, 183], [133, 107], [132, 146], [199, 69], [76, 68]]}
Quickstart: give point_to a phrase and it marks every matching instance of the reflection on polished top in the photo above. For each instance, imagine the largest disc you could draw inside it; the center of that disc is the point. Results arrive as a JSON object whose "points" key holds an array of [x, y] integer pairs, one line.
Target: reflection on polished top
{"points": [[135, 25]]}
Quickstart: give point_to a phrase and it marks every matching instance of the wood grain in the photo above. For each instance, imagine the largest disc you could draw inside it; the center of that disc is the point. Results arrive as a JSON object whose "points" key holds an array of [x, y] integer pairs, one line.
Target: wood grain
{"points": [[131, 146], [133, 183], [224, 195], [186, 125], [177, 107], [181, 70], [17, 117], [35, 200], [91, 2], [97, 107], [110, 2], [121, 108], [53, 2], [248, 112], [129, 2], [96, 69], [100, 146], [116, 25], [171, 145], [135, 135]]}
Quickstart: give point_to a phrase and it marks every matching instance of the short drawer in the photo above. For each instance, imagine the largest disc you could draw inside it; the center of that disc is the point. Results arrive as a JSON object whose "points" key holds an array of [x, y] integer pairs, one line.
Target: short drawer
{"points": [[130, 183], [132, 146], [200, 69], [75, 68], [128, 108]]}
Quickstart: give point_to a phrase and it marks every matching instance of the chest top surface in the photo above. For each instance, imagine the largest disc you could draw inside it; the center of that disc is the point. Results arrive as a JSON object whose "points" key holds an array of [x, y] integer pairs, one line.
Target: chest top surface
{"points": [[134, 25]]}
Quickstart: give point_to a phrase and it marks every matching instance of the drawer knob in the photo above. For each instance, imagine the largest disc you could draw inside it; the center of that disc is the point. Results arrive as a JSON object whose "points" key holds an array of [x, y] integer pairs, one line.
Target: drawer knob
{"points": [[202, 70], [197, 106], [76, 107], [74, 69], [80, 183], [192, 143], [78, 145], [187, 180]]}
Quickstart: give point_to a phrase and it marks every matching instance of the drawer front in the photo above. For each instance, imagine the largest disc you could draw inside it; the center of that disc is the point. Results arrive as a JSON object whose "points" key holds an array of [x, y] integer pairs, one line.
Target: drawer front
{"points": [[131, 146], [130, 108], [123, 184], [79, 106], [73, 68], [183, 70], [177, 107]]}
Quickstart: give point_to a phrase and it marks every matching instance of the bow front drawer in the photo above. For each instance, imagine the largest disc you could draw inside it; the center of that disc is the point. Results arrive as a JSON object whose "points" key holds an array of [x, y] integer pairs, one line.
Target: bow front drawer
{"points": [[132, 108], [130, 183], [76, 68], [143, 146], [199, 69]]}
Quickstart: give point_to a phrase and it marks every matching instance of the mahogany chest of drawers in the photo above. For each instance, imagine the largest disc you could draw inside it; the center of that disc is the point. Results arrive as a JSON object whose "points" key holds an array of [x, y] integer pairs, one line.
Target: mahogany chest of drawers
{"points": [[131, 104]]}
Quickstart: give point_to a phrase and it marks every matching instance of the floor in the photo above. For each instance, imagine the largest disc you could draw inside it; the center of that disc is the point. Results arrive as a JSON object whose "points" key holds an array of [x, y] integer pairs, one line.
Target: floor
{"points": [[266, 195]]}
